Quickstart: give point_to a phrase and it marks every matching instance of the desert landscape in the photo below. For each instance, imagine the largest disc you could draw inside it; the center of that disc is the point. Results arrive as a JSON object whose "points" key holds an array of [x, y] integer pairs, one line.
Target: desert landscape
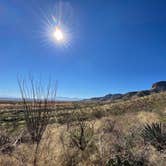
{"points": [[82, 83], [129, 130]]}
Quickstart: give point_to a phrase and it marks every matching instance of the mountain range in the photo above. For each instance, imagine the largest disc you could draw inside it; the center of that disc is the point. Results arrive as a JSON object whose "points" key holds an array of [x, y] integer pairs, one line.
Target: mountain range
{"points": [[156, 88]]}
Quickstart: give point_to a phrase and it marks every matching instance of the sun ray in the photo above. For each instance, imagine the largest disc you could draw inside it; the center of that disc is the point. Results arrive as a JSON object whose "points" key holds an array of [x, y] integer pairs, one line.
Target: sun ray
{"points": [[57, 26]]}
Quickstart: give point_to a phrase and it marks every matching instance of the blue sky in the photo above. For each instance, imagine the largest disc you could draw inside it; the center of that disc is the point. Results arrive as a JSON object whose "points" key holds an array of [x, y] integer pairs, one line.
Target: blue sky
{"points": [[115, 46]]}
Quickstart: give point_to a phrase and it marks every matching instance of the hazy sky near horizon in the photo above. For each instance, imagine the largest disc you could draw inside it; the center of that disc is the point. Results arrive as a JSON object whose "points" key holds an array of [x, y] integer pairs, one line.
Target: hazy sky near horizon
{"points": [[114, 46]]}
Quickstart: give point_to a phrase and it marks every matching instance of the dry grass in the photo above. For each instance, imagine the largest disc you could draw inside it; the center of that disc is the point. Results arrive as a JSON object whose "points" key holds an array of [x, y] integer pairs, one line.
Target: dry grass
{"points": [[52, 151], [117, 128]]}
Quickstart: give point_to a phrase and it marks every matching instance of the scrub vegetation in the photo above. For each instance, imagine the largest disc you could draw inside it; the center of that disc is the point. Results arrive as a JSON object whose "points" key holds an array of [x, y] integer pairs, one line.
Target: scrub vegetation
{"points": [[120, 133]]}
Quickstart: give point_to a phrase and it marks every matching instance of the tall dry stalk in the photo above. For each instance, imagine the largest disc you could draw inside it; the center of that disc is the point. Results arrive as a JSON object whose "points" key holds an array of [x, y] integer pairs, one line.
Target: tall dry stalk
{"points": [[39, 107]]}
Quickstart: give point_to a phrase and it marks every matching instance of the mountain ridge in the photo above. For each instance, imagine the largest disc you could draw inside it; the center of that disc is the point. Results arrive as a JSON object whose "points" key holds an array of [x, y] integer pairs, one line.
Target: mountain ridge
{"points": [[156, 87]]}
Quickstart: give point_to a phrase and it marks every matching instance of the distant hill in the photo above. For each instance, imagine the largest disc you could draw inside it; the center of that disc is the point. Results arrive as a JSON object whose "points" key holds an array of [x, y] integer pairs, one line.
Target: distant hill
{"points": [[156, 88]]}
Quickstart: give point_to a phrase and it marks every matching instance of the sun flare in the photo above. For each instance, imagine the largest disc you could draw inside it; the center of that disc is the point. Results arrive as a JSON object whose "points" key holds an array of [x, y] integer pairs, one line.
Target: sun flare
{"points": [[58, 34], [57, 29]]}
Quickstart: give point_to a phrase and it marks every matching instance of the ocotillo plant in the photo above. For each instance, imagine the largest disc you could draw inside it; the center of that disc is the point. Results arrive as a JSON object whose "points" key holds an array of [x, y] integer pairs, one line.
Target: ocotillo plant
{"points": [[39, 105]]}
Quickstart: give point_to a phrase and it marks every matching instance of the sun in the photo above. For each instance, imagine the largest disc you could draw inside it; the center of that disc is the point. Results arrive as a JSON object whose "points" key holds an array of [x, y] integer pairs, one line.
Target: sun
{"points": [[57, 26], [58, 34]]}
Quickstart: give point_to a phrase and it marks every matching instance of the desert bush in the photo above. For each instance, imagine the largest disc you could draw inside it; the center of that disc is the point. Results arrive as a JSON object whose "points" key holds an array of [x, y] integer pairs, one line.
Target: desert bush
{"points": [[81, 136], [103, 140], [78, 141], [127, 151], [98, 114], [4, 139], [6, 143], [127, 160], [25, 138], [108, 126], [116, 146], [155, 134]]}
